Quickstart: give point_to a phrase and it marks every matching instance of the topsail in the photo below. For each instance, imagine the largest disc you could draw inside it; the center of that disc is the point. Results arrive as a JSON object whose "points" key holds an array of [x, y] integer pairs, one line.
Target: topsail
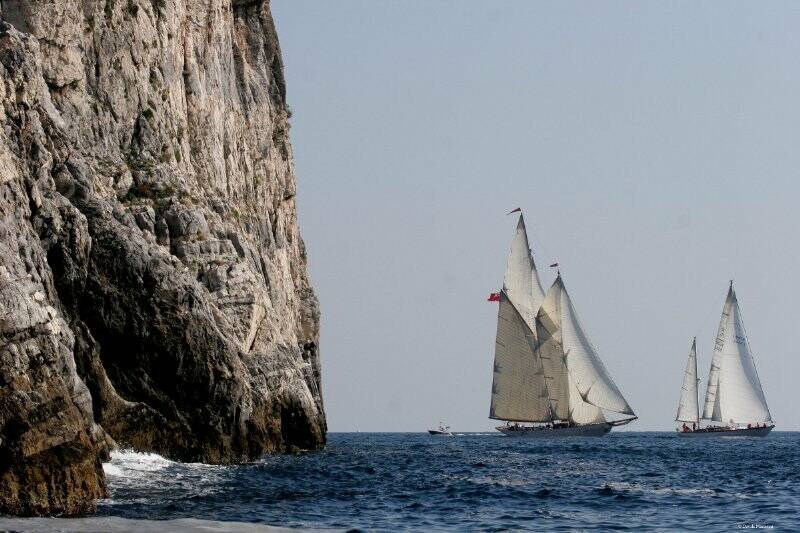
{"points": [[521, 281], [734, 392]]}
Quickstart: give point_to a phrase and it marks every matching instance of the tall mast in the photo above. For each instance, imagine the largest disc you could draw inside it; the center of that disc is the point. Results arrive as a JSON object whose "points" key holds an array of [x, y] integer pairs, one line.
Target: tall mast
{"points": [[696, 382]]}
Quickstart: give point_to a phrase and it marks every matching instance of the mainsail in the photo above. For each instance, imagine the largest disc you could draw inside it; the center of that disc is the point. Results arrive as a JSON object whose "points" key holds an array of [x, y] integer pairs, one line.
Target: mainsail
{"points": [[734, 392], [588, 384], [688, 410], [521, 281], [519, 391]]}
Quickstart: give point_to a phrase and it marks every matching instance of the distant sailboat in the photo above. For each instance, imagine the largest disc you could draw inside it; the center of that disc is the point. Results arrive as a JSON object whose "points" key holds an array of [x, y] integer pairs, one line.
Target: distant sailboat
{"points": [[733, 394], [546, 371], [688, 407]]}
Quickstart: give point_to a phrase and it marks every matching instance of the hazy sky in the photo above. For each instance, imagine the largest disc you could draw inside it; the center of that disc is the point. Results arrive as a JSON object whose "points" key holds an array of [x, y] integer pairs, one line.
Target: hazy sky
{"points": [[655, 149]]}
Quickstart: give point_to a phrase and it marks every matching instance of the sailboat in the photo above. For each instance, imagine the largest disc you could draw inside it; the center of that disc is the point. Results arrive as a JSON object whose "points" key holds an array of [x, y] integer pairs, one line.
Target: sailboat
{"points": [[546, 371], [734, 396]]}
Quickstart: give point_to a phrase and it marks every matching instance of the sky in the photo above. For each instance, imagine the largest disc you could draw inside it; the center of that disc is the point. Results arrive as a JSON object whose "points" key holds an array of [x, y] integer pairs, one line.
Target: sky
{"points": [[653, 146]]}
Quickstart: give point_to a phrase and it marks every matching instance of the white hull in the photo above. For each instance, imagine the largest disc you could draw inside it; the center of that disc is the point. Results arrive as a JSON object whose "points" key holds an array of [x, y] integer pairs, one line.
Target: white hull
{"points": [[744, 432], [589, 430]]}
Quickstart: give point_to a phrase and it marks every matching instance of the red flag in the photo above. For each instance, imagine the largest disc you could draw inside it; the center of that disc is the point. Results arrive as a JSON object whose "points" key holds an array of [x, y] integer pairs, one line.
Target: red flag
{"points": [[554, 265], [517, 210], [493, 297]]}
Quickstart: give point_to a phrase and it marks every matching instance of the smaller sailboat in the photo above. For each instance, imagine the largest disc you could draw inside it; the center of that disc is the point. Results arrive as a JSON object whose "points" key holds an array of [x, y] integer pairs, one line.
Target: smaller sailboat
{"points": [[688, 408], [442, 431], [734, 396]]}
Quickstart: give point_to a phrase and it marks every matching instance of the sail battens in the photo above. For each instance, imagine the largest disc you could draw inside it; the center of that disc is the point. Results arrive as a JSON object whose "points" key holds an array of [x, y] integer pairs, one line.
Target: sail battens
{"points": [[733, 392]]}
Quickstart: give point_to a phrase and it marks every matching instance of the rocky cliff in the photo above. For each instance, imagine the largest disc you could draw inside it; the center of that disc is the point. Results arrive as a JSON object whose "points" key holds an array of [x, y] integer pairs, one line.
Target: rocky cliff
{"points": [[153, 285]]}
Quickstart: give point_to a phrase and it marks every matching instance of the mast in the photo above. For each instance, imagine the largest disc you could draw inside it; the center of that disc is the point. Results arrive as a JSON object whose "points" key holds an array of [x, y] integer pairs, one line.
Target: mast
{"points": [[688, 408]]}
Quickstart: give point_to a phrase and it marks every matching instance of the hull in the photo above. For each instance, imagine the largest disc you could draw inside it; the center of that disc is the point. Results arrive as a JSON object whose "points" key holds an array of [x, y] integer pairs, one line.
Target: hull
{"points": [[745, 432], [437, 433], [589, 430]]}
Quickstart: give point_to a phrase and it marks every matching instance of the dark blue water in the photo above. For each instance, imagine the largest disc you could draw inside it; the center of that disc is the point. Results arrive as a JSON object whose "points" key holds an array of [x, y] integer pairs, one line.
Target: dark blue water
{"points": [[625, 481]]}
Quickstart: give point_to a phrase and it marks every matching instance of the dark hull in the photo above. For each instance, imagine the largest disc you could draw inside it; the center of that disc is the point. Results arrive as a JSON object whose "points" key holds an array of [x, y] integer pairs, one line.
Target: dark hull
{"points": [[437, 433], [745, 432], [589, 430]]}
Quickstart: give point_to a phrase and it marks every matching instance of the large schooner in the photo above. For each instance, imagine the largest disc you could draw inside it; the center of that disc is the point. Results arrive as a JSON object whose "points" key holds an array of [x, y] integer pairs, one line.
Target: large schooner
{"points": [[546, 372], [734, 396]]}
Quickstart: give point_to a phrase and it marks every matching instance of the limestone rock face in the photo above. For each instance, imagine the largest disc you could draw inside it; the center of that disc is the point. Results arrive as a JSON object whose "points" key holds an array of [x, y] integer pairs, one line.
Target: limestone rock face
{"points": [[153, 284]]}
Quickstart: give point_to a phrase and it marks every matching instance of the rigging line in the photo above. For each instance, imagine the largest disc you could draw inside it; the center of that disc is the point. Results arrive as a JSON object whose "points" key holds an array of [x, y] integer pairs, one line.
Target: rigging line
{"points": [[705, 321], [539, 244]]}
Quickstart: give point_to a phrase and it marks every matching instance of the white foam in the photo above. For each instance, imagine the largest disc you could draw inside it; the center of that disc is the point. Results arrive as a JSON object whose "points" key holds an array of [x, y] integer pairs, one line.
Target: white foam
{"points": [[123, 462], [635, 487], [131, 473], [488, 480]]}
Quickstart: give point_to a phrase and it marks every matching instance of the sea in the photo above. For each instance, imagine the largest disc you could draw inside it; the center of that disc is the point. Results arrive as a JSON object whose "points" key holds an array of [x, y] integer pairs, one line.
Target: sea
{"points": [[626, 481]]}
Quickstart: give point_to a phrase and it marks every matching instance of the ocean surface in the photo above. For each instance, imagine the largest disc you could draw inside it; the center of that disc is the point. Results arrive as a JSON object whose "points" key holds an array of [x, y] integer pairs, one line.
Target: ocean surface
{"points": [[479, 482]]}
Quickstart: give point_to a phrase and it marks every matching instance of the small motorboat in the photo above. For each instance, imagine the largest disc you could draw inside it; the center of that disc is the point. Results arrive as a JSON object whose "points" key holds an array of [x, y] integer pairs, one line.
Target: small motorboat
{"points": [[443, 431]]}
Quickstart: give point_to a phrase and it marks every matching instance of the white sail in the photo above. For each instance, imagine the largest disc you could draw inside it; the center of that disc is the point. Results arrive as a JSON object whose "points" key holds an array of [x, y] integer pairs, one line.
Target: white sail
{"points": [[580, 411], [688, 410], [738, 397], [565, 399], [585, 367], [521, 281], [549, 351], [519, 391], [711, 404]]}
